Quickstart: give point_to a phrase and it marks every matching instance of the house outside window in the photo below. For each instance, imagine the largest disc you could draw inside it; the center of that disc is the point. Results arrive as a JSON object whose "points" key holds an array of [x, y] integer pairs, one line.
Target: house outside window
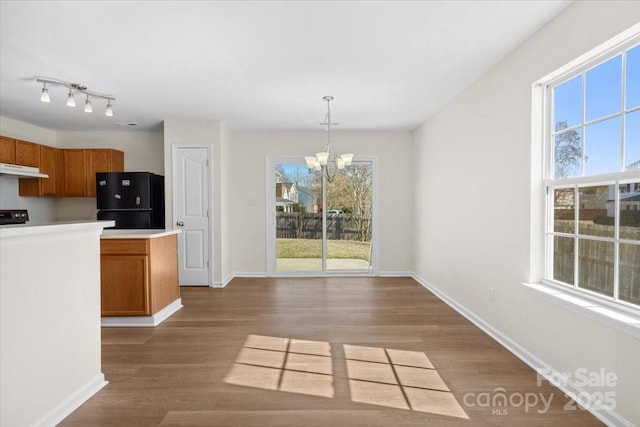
{"points": [[592, 177]]}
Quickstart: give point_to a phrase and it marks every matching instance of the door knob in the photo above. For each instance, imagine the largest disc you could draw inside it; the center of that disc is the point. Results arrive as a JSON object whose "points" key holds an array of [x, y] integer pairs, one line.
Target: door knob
{"points": [[180, 223]]}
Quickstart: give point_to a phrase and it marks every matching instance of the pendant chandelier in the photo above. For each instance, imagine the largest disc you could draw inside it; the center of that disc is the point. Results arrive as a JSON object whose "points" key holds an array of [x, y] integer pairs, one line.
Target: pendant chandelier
{"points": [[327, 163], [75, 88]]}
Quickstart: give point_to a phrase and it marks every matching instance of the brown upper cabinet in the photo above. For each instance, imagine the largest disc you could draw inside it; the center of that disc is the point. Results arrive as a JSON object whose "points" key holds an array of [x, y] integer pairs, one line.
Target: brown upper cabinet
{"points": [[102, 160], [7, 150], [81, 166], [27, 153], [51, 162], [72, 171], [75, 172]]}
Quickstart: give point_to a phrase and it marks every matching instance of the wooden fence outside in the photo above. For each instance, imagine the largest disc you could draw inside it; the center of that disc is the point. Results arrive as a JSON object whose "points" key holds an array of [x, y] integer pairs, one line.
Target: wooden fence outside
{"points": [[596, 261], [302, 225]]}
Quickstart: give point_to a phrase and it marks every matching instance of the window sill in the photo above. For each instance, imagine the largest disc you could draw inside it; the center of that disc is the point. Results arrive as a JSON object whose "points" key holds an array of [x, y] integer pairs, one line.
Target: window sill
{"points": [[620, 319]]}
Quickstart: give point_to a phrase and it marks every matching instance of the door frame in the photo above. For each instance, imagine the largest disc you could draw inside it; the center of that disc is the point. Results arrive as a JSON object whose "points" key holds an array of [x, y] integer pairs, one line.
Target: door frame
{"points": [[270, 181], [174, 208]]}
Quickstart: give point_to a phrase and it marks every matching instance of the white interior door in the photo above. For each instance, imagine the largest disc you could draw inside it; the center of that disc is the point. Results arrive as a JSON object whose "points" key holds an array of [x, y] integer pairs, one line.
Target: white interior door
{"points": [[191, 201]]}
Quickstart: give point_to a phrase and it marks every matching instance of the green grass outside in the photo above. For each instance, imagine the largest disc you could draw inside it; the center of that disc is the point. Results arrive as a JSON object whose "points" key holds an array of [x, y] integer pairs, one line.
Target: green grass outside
{"points": [[312, 248]]}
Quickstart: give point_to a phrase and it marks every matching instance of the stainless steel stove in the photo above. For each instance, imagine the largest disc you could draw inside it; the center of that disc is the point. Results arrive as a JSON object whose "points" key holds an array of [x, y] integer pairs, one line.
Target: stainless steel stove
{"points": [[13, 216]]}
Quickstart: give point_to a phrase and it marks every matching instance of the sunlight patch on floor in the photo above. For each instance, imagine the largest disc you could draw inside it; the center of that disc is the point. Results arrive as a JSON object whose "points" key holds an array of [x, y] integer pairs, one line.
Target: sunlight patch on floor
{"points": [[377, 376], [294, 366], [398, 379]]}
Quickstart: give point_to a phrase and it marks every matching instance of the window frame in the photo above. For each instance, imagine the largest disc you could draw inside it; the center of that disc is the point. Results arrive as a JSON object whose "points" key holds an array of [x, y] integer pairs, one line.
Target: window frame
{"points": [[551, 183], [623, 315]]}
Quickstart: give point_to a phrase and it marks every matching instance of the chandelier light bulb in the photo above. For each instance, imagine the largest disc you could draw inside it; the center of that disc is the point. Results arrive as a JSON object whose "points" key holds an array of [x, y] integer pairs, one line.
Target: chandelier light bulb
{"points": [[87, 106], [347, 158], [109, 111], [311, 161], [322, 157], [45, 94], [71, 101]]}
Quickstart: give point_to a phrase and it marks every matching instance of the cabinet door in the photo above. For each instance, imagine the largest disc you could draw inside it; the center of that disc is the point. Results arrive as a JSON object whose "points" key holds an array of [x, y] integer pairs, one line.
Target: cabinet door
{"points": [[27, 153], [49, 164], [75, 182], [60, 173], [7, 150], [117, 161], [98, 160], [124, 285]]}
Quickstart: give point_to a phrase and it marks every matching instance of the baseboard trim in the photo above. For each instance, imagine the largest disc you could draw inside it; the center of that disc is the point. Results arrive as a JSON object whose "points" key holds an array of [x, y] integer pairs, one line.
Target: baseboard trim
{"points": [[73, 402], [249, 274], [605, 415], [336, 274], [222, 284], [395, 274], [142, 321]]}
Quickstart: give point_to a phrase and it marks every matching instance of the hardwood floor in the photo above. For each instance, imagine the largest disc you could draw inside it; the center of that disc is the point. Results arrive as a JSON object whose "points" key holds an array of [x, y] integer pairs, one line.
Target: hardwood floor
{"points": [[316, 352]]}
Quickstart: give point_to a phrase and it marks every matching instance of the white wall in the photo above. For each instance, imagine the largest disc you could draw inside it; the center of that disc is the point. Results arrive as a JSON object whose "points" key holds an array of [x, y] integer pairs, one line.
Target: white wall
{"points": [[249, 151], [20, 130], [466, 244]]}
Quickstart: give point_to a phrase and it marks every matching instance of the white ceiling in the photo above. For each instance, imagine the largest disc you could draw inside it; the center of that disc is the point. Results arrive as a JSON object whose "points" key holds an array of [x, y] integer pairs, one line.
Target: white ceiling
{"points": [[254, 65]]}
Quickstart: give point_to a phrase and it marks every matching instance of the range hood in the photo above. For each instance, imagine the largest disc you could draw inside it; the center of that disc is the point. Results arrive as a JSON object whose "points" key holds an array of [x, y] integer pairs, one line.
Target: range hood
{"points": [[21, 171]]}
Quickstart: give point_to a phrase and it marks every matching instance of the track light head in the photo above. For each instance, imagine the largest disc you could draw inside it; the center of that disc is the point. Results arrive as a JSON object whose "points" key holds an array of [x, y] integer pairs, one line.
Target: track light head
{"points": [[71, 101], [109, 111], [87, 106], [45, 94]]}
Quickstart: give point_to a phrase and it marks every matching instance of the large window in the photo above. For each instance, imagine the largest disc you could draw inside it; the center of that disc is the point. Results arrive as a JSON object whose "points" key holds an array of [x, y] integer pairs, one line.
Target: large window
{"points": [[593, 177]]}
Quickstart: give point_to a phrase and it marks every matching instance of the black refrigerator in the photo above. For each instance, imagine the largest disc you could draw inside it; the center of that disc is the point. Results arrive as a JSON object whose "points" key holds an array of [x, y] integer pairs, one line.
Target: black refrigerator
{"points": [[132, 199]]}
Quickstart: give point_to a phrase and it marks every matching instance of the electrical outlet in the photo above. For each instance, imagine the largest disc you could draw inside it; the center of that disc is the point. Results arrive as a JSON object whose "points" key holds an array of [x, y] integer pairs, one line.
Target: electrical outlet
{"points": [[492, 294]]}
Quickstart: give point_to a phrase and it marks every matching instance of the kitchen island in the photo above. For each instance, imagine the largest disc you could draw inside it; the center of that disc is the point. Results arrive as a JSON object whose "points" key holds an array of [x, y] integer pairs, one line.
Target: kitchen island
{"points": [[139, 276], [50, 356]]}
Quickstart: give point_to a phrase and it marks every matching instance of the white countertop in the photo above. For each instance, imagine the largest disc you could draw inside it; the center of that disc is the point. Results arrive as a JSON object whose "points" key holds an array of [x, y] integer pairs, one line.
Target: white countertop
{"points": [[17, 230], [137, 234]]}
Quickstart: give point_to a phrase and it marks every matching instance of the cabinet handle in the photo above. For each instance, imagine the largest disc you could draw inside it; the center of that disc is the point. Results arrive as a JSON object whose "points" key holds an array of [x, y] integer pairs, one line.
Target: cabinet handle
{"points": [[180, 223]]}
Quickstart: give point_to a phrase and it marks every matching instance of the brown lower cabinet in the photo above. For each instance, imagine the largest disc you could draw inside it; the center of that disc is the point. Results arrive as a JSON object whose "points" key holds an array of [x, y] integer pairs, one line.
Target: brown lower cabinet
{"points": [[139, 277]]}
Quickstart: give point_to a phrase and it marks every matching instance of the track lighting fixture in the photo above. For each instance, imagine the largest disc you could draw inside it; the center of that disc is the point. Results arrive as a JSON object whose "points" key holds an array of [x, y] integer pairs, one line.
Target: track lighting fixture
{"points": [[73, 89]]}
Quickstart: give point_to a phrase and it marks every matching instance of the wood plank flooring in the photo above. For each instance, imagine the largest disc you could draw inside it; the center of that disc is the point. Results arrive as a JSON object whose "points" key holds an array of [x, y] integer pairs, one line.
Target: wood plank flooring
{"points": [[315, 352]]}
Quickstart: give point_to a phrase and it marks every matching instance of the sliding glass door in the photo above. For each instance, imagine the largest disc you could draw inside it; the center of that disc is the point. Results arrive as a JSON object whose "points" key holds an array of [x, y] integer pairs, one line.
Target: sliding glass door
{"points": [[320, 226], [348, 219]]}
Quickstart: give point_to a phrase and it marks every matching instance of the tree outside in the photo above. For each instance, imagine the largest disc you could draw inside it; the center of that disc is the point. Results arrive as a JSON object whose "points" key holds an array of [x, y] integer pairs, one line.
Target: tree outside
{"points": [[568, 151]]}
